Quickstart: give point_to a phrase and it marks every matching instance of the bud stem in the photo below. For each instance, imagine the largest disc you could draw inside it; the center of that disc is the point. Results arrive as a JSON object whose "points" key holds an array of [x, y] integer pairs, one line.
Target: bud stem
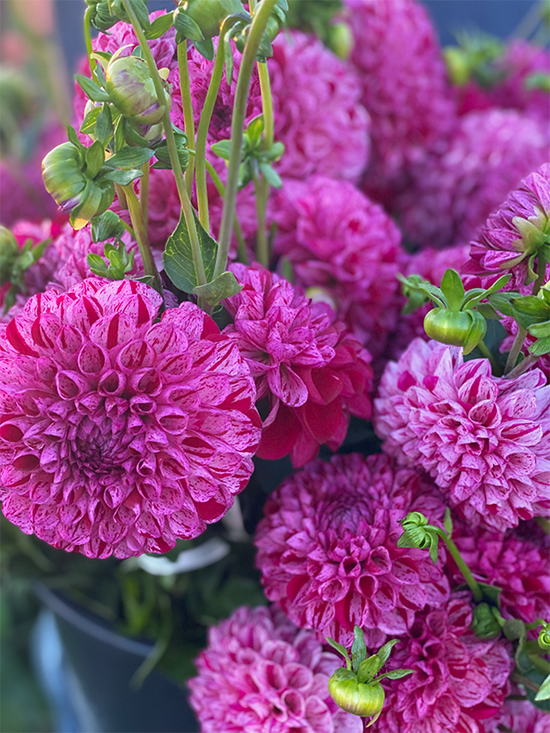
{"points": [[516, 348], [188, 120], [261, 188], [88, 39], [141, 238], [257, 28], [144, 195], [464, 569]]}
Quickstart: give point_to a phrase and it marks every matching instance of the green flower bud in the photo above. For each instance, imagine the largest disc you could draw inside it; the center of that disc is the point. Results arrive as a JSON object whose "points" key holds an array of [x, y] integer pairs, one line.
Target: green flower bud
{"points": [[9, 252], [101, 18], [448, 327], [63, 175], [132, 90], [544, 637], [340, 40], [210, 14], [356, 697], [484, 623], [458, 66]]}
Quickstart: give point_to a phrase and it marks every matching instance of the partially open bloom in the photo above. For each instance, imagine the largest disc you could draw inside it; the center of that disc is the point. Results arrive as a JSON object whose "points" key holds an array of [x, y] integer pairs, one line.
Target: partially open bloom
{"points": [[312, 372], [459, 682], [261, 673], [485, 440], [119, 434], [327, 548], [339, 241]]}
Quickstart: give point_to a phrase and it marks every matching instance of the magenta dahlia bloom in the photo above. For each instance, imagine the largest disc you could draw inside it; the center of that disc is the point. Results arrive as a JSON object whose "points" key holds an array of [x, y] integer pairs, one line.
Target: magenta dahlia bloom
{"points": [[459, 682], [261, 673], [454, 192], [485, 440], [403, 85], [520, 716], [312, 372], [515, 231], [341, 242], [327, 548], [120, 434]]}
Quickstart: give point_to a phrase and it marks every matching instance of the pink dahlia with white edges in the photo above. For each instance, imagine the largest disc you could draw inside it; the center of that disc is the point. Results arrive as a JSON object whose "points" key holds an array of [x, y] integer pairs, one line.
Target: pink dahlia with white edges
{"points": [[485, 440], [453, 192], [120, 433], [312, 373], [327, 548], [339, 241], [459, 683], [261, 673], [403, 87]]}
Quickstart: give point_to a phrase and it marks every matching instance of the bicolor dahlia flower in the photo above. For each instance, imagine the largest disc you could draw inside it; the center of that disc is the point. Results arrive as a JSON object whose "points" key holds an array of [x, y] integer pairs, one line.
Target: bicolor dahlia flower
{"points": [[338, 240], [313, 373], [459, 682], [404, 87], [327, 548], [261, 673], [120, 434], [485, 440], [453, 193]]}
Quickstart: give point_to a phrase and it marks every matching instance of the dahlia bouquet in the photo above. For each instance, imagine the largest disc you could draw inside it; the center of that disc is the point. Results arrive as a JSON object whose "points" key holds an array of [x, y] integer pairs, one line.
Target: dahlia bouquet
{"points": [[258, 204]]}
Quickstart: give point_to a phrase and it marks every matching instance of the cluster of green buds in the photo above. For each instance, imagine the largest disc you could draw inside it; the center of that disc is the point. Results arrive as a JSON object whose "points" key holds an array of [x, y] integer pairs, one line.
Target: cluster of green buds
{"points": [[14, 261], [458, 318], [103, 14], [356, 687], [474, 58]]}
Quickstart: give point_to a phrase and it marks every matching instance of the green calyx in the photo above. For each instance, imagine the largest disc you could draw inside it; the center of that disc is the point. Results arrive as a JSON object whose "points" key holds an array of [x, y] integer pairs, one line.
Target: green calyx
{"points": [[455, 320], [105, 13], [534, 241], [201, 20], [544, 636], [356, 687], [131, 89]]}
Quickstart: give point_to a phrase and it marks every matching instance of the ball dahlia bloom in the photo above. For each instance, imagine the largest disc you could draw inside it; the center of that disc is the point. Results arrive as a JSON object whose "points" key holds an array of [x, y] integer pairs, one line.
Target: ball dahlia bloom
{"points": [[485, 440], [120, 434], [327, 548], [453, 192], [338, 240], [261, 673], [403, 86], [312, 372], [459, 682]]}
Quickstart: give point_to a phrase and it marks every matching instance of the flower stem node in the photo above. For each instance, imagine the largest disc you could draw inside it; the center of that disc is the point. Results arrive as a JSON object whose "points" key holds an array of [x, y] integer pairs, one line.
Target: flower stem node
{"points": [[131, 89]]}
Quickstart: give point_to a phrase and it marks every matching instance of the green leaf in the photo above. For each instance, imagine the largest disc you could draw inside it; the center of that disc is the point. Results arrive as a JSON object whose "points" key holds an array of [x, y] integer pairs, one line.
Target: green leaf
{"points": [[503, 303], [395, 674], [104, 129], [540, 330], [97, 265], [95, 155], [187, 27], [533, 307], [271, 176], [120, 134], [488, 312], [453, 289], [491, 593], [358, 648], [73, 138], [106, 226], [91, 89], [339, 648], [540, 347], [159, 26], [88, 124], [222, 149], [448, 522], [123, 178], [544, 690], [476, 333], [384, 652], [368, 668], [224, 286], [178, 256], [228, 58], [254, 131], [275, 152], [129, 158], [434, 542], [206, 49]]}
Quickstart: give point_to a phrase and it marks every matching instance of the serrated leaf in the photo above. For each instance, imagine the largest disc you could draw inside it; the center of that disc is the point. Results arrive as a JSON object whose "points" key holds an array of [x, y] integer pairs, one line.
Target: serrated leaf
{"points": [[123, 178], [104, 129], [95, 155], [222, 149], [106, 226], [544, 690], [503, 303], [88, 124], [448, 522], [206, 49], [91, 89], [384, 652], [453, 289], [224, 286], [540, 347], [368, 668], [97, 265], [187, 27], [159, 26], [129, 158], [342, 649], [178, 256], [271, 176], [358, 648], [532, 306], [395, 674]]}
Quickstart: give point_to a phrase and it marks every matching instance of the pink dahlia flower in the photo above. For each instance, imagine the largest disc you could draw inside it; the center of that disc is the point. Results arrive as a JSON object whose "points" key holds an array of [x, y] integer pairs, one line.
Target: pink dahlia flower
{"points": [[327, 548], [260, 673], [312, 372], [341, 242], [520, 716], [120, 434], [485, 440], [459, 682], [515, 231], [403, 85], [454, 192]]}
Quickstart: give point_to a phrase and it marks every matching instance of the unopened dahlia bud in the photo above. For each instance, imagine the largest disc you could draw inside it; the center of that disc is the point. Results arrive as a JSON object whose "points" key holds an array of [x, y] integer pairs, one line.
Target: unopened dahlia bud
{"points": [[356, 697], [101, 17], [340, 40], [484, 623], [9, 251], [454, 327], [63, 176], [210, 14], [544, 637], [132, 90]]}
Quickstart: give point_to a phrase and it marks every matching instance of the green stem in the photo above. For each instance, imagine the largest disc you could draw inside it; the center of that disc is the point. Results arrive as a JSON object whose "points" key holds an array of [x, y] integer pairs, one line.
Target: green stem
{"points": [[541, 273], [144, 194], [188, 120], [495, 366], [522, 367], [88, 39], [541, 664], [257, 28], [121, 196], [141, 238], [464, 569], [202, 132], [516, 348], [525, 681], [187, 208], [261, 188], [267, 104]]}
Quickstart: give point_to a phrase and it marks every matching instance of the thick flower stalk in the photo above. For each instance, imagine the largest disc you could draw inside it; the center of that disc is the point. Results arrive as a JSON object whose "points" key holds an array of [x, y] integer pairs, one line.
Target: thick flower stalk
{"points": [[312, 372], [483, 439], [327, 548], [120, 434], [260, 672]]}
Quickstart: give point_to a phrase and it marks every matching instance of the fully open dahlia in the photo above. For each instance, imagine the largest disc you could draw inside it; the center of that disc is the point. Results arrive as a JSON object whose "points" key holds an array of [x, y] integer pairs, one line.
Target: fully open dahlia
{"points": [[485, 440], [327, 548], [312, 372], [260, 673], [119, 434]]}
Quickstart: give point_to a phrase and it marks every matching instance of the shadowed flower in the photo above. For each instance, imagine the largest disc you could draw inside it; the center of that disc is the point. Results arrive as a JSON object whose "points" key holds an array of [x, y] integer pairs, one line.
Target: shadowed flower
{"points": [[312, 372], [485, 440], [119, 434], [520, 716], [261, 673], [327, 548]]}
